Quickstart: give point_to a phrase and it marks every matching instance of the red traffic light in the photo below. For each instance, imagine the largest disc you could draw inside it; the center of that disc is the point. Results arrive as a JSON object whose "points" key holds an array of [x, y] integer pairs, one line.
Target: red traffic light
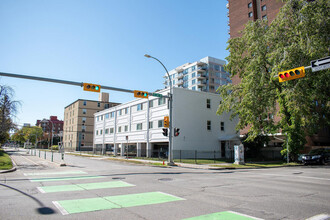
{"points": [[291, 74]]}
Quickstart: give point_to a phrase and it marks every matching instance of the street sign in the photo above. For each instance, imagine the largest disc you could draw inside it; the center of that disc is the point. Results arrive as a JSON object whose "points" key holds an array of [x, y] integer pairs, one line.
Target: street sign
{"points": [[320, 64], [157, 95]]}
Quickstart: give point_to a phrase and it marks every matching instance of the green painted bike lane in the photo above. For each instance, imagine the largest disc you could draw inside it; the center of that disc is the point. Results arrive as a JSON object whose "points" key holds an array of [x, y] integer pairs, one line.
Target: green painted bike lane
{"points": [[113, 202], [85, 186]]}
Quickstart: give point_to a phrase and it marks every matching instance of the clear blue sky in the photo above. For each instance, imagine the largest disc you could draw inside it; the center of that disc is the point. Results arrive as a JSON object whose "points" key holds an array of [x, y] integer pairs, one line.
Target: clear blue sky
{"points": [[102, 42]]}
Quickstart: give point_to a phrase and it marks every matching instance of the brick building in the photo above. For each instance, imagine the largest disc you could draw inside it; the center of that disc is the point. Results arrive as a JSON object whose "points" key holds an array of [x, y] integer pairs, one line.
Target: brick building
{"points": [[46, 125]]}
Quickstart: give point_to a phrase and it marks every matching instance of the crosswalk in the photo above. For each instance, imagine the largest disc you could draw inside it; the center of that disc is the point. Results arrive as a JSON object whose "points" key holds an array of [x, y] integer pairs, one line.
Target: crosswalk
{"points": [[95, 182]]}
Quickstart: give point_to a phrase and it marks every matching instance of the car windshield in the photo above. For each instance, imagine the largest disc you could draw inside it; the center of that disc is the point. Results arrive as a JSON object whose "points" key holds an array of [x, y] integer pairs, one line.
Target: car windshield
{"points": [[316, 151]]}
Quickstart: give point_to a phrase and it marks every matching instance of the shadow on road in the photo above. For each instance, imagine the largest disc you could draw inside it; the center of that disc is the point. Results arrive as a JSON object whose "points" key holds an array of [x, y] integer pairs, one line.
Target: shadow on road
{"points": [[43, 210]]}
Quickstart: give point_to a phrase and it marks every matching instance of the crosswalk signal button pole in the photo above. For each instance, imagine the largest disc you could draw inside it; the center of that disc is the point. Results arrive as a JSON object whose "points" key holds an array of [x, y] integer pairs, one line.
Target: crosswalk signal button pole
{"points": [[291, 74], [141, 94], [91, 87]]}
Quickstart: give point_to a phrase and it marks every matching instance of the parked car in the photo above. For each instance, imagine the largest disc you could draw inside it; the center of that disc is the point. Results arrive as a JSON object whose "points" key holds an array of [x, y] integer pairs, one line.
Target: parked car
{"points": [[317, 156]]}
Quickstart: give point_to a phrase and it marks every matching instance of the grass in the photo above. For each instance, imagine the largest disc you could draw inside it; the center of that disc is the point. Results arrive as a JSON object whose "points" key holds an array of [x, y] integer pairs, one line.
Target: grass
{"points": [[257, 165], [5, 161]]}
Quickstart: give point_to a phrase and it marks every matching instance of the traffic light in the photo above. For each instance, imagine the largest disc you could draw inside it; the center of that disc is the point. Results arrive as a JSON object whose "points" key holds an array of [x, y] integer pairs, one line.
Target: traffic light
{"points": [[291, 74], [166, 122], [165, 131], [91, 87], [176, 132], [141, 94]]}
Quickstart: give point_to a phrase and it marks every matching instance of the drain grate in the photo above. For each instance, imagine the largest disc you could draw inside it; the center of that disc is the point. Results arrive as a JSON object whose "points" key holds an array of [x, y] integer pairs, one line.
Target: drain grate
{"points": [[165, 179]]}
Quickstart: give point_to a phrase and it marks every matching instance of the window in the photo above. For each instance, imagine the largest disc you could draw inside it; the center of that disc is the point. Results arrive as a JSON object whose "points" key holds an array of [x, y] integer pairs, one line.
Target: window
{"points": [[84, 111], [112, 114], [98, 104], [151, 103], [250, 14], [139, 126], [106, 105], [194, 88], [208, 103], [126, 111], [161, 101], [84, 103], [101, 117], [126, 128], [101, 132], [151, 124], [107, 131], [83, 136], [84, 120], [97, 132], [263, 8], [111, 130], [193, 75], [209, 125], [139, 107], [97, 118], [119, 129], [160, 123], [222, 126], [250, 5], [119, 112], [107, 116], [193, 82]]}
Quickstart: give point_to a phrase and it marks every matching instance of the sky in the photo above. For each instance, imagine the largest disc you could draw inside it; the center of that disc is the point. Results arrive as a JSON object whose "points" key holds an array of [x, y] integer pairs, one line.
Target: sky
{"points": [[101, 42]]}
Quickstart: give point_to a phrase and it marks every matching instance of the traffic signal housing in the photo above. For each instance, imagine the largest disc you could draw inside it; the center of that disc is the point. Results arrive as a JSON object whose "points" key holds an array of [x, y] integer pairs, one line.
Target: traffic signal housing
{"points": [[166, 121], [165, 131], [291, 74], [91, 87], [141, 94], [176, 132]]}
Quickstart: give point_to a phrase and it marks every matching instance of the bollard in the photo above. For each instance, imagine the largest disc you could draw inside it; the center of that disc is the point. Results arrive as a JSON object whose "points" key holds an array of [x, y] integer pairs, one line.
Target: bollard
{"points": [[39, 153], [45, 155], [52, 156]]}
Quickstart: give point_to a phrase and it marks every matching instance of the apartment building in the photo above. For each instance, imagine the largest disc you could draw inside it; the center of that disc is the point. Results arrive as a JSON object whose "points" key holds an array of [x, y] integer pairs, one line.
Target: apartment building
{"points": [[205, 75], [51, 125], [139, 124], [79, 122]]}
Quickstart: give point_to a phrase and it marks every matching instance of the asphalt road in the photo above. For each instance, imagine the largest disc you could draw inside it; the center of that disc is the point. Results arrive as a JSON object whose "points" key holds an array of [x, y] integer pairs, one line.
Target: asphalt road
{"points": [[97, 188]]}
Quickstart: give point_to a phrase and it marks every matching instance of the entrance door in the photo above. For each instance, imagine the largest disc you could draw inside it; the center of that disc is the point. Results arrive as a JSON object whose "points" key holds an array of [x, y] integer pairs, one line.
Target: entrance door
{"points": [[223, 149]]}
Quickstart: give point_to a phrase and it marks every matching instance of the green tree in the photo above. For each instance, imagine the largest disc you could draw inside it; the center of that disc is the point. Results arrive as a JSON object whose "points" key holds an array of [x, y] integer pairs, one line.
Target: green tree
{"points": [[299, 34], [30, 134], [8, 109]]}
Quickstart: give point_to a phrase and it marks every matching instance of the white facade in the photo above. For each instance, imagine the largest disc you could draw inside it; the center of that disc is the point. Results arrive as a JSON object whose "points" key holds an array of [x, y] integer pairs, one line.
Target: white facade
{"points": [[201, 129], [205, 75]]}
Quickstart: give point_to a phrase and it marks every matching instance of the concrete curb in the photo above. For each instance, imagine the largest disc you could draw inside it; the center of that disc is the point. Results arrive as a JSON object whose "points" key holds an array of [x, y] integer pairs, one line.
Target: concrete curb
{"points": [[12, 169]]}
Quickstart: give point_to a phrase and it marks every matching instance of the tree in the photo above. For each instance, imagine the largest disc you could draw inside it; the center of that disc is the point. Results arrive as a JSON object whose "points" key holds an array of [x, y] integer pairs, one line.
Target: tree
{"points": [[30, 134], [299, 34], [8, 109]]}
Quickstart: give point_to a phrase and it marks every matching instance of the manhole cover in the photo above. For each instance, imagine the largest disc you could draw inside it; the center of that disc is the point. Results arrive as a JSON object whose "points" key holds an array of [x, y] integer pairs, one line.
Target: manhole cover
{"points": [[118, 178], [165, 179]]}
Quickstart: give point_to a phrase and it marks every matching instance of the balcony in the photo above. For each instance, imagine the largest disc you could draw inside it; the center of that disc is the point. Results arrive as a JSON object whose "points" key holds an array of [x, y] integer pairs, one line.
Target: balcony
{"points": [[201, 69], [200, 63], [179, 69], [201, 83], [201, 76], [180, 75]]}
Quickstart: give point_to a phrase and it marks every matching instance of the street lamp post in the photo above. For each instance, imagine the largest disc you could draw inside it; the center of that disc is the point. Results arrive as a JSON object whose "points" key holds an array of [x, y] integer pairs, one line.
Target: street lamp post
{"points": [[170, 144]]}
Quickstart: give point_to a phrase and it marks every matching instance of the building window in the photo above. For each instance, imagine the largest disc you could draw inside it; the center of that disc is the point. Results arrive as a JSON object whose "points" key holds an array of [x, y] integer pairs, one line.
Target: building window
{"points": [[208, 103], [101, 117], [161, 101], [119, 112], [160, 123], [107, 116], [97, 132], [98, 104], [263, 8], [151, 103], [208, 125], [193, 75], [106, 105], [112, 114], [107, 131], [84, 103], [97, 118], [111, 130], [250, 5], [222, 126], [126, 128], [101, 132], [83, 128], [194, 88], [119, 129], [193, 82], [84, 120], [151, 124], [126, 111], [139, 126], [139, 107], [84, 111], [250, 14]]}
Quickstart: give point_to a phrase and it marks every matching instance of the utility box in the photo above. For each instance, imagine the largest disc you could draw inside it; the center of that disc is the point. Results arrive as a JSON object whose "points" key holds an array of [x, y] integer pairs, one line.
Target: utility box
{"points": [[239, 154]]}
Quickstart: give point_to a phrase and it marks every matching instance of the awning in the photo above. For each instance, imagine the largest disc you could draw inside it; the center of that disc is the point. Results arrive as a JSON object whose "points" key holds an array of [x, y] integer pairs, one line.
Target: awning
{"points": [[232, 137]]}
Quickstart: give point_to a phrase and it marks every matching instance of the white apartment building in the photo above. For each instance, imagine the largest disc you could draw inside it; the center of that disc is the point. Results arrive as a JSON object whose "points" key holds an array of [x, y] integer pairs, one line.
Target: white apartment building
{"points": [[205, 75], [138, 124]]}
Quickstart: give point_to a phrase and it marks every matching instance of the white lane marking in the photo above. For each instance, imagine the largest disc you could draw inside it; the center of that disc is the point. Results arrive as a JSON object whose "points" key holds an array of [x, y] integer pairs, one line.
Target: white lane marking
{"points": [[62, 210], [41, 190], [320, 217], [237, 213]]}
